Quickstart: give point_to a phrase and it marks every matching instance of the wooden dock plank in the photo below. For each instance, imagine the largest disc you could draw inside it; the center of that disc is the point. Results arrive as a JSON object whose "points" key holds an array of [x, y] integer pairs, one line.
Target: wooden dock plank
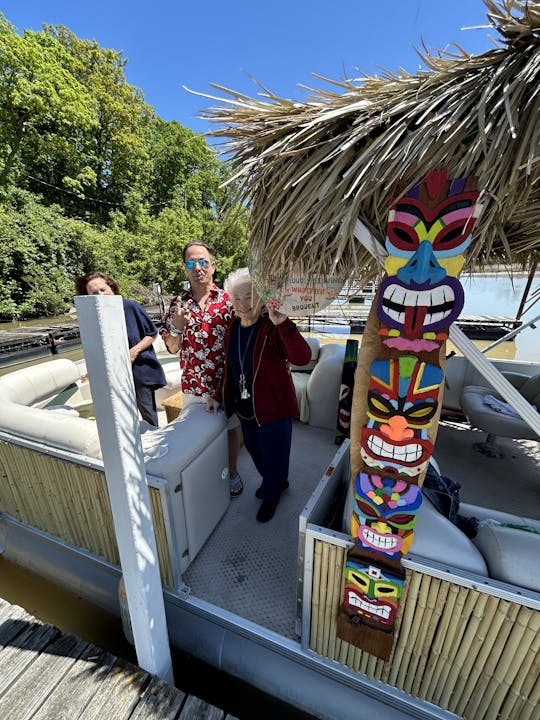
{"points": [[31, 688], [47, 675], [159, 701], [8, 611], [10, 623], [119, 693], [16, 657], [81, 683], [197, 709]]}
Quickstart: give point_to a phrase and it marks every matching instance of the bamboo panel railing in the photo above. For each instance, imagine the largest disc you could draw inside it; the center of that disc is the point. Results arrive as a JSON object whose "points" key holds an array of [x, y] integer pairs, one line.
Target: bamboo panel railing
{"points": [[69, 501], [471, 653]]}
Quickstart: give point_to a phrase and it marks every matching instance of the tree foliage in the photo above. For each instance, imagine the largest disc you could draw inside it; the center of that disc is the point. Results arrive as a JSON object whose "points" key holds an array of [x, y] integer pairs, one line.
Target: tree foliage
{"points": [[91, 178]]}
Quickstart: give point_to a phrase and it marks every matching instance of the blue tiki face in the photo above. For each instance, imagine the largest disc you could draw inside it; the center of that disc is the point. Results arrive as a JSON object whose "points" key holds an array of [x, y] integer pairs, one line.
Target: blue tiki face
{"points": [[428, 231]]}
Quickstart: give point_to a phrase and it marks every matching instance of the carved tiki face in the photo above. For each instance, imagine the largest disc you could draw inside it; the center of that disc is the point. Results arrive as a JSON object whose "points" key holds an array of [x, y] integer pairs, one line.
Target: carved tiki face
{"points": [[372, 593], [402, 401], [384, 514], [428, 231]]}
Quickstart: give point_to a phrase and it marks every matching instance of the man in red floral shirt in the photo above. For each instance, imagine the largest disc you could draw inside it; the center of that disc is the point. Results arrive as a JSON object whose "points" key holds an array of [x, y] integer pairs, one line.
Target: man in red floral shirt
{"points": [[194, 327]]}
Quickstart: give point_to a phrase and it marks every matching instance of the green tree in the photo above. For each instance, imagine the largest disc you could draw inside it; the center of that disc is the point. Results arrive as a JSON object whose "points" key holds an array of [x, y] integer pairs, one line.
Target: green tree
{"points": [[113, 158], [41, 102]]}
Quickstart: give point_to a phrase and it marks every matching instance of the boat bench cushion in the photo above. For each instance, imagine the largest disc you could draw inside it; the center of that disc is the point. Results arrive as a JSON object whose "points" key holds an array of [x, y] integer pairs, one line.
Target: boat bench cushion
{"points": [[324, 384], [436, 538], [510, 545], [317, 391], [31, 385], [300, 381], [23, 388]]}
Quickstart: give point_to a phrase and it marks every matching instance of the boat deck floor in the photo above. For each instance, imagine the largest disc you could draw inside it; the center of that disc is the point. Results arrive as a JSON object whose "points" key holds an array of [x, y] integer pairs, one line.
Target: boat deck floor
{"points": [[250, 568]]}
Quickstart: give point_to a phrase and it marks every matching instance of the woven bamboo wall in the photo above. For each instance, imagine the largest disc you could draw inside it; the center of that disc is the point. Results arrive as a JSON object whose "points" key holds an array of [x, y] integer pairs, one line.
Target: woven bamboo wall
{"points": [[69, 501], [471, 653]]}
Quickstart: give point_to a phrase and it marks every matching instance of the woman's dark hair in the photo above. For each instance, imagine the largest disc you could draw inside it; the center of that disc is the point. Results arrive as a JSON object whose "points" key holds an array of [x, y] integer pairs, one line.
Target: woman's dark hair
{"points": [[202, 244], [82, 281]]}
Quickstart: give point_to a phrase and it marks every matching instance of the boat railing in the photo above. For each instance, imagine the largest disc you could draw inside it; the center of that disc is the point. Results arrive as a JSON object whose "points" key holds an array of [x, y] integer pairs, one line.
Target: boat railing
{"points": [[65, 495], [512, 334]]}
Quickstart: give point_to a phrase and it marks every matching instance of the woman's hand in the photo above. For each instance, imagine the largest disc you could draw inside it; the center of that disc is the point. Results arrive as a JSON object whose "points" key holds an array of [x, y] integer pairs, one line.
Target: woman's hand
{"points": [[212, 405], [273, 313]]}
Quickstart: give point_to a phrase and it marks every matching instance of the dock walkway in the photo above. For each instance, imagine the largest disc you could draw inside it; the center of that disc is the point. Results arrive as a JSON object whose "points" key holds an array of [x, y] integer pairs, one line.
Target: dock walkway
{"points": [[48, 675]]}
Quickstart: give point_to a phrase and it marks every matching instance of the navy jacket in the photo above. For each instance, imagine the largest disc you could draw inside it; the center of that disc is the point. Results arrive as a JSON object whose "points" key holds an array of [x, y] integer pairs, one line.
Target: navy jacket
{"points": [[146, 368]]}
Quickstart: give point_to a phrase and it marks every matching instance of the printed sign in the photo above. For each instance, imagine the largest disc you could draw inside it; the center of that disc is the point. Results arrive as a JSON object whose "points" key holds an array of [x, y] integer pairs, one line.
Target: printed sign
{"points": [[301, 295]]}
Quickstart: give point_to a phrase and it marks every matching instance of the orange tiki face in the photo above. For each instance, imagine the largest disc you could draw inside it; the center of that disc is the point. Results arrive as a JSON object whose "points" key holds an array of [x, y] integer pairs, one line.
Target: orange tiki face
{"points": [[402, 401]]}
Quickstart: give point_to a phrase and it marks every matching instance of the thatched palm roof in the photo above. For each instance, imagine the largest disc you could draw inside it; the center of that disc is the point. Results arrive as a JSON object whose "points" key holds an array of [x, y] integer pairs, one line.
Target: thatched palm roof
{"points": [[309, 169]]}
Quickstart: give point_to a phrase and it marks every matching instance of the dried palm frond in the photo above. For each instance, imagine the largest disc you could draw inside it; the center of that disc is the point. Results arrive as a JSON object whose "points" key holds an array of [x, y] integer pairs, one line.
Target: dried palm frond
{"points": [[309, 170]]}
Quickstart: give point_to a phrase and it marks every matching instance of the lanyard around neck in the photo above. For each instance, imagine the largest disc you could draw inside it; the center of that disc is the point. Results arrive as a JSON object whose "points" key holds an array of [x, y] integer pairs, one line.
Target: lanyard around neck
{"points": [[244, 393], [242, 356]]}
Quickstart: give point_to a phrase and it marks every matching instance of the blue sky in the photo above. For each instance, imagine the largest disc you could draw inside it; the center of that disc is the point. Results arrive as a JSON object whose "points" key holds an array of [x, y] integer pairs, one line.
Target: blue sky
{"points": [[170, 43]]}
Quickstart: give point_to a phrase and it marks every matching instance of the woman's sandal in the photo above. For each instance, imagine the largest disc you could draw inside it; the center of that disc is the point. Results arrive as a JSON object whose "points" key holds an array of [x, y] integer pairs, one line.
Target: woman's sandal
{"points": [[236, 486]]}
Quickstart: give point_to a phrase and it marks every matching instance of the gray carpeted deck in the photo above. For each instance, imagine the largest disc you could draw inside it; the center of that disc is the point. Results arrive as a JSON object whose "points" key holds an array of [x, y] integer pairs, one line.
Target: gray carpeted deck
{"points": [[250, 568]]}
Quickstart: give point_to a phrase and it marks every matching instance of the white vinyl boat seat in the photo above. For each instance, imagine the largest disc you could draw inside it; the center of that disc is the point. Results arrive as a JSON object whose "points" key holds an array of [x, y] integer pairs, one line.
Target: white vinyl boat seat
{"points": [[510, 545], [317, 384], [475, 401], [189, 455], [23, 388]]}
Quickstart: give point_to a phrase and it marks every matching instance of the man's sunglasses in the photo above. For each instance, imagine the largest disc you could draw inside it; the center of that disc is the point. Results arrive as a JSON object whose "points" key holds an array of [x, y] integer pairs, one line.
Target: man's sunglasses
{"points": [[201, 262]]}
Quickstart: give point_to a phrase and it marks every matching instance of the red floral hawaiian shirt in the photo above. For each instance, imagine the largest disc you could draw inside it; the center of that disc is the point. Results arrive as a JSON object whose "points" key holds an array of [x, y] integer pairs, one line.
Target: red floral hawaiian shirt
{"points": [[201, 356]]}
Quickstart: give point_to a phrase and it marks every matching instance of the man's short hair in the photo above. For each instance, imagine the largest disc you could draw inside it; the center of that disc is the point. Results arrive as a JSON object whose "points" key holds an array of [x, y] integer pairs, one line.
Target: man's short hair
{"points": [[198, 243]]}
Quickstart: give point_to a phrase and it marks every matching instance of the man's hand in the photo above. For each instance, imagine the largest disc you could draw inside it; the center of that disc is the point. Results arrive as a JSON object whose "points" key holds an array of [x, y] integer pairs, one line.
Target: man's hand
{"points": [[180, 318]]}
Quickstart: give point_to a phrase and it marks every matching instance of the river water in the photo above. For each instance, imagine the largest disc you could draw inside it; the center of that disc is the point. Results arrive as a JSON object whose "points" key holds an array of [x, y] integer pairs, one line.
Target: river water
{"points": [[486, 295], [491, 295]]}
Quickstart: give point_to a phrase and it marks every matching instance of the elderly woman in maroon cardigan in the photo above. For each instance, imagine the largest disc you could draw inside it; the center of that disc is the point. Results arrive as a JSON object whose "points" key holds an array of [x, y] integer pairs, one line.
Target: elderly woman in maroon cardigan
{"points": [[259, 344]]}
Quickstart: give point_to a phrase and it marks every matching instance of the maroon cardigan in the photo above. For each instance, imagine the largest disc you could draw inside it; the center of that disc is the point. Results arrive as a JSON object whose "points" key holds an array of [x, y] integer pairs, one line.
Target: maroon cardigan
{"points": [[274, 397]]}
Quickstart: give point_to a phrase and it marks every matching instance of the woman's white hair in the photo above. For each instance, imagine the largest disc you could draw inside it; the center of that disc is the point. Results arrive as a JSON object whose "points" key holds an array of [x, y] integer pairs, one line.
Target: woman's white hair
{"points": [[236, 277]]}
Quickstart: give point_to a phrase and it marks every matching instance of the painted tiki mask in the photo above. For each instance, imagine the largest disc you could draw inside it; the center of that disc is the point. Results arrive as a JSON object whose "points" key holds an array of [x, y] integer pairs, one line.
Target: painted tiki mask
{"points": [[401, 403], [384, 514], [372, 594], [428, 231], [350, 362]]}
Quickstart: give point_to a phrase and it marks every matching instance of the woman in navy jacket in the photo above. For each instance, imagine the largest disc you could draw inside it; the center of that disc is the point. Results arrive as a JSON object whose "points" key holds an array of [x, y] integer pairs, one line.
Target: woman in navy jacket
{"points": [[259, 344], [148, 374]]}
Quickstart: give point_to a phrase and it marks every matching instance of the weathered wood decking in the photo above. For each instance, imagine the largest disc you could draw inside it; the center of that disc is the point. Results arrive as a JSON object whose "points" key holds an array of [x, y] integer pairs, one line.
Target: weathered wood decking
{"points": [[47, 675]]}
